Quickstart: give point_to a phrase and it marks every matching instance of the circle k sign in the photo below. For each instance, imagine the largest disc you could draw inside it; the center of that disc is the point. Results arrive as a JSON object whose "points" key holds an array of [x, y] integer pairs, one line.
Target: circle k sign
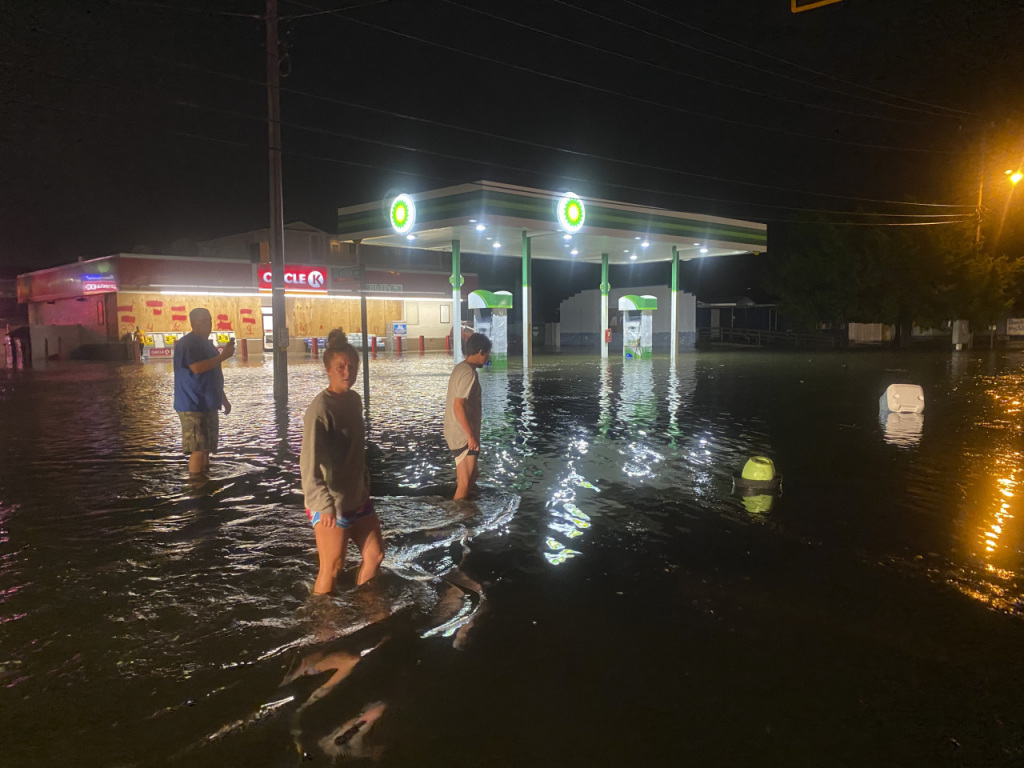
{"points": [[297, 279]]}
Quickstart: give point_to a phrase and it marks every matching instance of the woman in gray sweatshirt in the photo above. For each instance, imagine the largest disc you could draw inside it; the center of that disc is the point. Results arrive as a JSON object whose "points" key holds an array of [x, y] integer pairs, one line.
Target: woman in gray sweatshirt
{"points": [[335, 480]]}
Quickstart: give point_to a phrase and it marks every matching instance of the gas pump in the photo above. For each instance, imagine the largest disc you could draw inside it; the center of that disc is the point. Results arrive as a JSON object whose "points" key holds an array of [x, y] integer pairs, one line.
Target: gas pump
{"points": [[490, 317], [637, 326]]}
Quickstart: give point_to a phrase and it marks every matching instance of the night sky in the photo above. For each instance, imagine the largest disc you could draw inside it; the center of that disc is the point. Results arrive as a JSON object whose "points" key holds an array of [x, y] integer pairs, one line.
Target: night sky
{"points": [[131, 124]]}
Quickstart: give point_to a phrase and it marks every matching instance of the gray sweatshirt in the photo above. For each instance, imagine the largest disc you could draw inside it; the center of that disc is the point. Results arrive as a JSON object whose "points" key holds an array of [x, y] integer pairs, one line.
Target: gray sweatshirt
{"points": [[333, 459]]}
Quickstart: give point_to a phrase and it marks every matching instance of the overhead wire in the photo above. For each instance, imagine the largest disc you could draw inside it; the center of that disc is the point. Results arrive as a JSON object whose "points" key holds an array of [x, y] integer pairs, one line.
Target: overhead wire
{"points": [[349, 7], [473, 161], [678, 73], [620, 94], [540, 145], [795, 65], [185, 8], [501, 137]]}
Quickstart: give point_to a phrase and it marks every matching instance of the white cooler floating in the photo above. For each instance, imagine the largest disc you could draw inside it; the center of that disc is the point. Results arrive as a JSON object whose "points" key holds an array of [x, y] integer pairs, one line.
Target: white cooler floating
{"points": [[902, 398]]}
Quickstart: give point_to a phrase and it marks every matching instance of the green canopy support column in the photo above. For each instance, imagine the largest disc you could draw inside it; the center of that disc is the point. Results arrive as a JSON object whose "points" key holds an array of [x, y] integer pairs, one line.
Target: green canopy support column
{"points": [[456, 281], [527, 304], [673, 344], [605, 288]]}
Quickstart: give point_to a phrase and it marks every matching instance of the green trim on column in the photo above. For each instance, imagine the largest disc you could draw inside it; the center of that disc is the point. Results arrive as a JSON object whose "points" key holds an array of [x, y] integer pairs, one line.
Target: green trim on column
{"points": [[527, 265], [675, 269], [605, 285], [456, 265]]}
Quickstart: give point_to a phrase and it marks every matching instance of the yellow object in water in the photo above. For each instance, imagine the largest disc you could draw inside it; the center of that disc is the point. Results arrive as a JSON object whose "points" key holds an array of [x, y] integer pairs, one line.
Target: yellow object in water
{"points": [[759, 468]]}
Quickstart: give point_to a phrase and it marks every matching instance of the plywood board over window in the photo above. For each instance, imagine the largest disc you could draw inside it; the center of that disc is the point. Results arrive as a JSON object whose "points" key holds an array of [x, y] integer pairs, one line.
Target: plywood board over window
{"points": [[163, 313]]}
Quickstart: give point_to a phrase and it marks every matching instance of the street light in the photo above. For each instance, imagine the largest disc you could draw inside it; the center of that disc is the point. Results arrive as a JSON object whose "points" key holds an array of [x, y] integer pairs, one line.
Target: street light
{"points": [[1015, 176]]}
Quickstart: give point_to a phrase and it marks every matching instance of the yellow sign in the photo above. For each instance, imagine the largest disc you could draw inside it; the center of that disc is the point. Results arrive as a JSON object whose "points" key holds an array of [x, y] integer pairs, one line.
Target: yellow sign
{"points": [[223, 338], [795, 8]]}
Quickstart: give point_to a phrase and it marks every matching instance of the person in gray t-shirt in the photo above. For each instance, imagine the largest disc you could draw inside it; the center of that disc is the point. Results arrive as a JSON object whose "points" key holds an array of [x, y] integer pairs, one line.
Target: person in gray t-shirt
{"points": [[463, 413], [335, 480]]}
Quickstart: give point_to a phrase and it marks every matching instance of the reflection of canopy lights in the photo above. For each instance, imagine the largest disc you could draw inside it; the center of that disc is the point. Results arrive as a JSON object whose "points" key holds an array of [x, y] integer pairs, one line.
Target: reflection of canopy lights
{"points": [[402, 214], [557, 558], [571, 213], [480, 227]]}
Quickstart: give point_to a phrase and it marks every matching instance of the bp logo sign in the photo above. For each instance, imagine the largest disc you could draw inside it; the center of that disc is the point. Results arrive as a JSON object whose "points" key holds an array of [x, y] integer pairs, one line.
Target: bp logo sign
{"points": [[402, 214], [571, 213]]}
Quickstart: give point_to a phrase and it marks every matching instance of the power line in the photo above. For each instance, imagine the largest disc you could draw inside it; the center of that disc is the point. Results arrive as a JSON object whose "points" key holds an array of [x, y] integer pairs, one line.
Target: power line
{"points": [[471, 161], [120, 119], [605, 158], [233, 113], [867, 223], [187, 9], [741, 89], [609, 91], [796, 66], [350, 7], [463, 158], [539, 145]]}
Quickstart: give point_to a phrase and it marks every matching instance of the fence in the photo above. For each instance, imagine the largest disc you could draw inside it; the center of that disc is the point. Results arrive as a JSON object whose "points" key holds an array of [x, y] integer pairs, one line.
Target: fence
{"points": [[755, 337]]}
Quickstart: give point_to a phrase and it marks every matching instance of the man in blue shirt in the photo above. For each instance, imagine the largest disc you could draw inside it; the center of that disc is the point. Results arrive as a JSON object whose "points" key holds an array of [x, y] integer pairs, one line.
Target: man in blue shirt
{"points": [[199, 389]]}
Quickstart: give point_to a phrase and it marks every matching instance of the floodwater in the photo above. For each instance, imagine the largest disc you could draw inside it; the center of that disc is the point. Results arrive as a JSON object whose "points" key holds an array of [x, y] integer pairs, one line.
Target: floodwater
{"points": [[607, 601]]}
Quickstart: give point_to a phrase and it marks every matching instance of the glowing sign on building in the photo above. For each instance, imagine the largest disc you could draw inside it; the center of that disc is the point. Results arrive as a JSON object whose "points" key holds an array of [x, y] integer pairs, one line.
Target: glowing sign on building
{"points": [[571, 213], [99, 284], [402, 214], [296, 279]]}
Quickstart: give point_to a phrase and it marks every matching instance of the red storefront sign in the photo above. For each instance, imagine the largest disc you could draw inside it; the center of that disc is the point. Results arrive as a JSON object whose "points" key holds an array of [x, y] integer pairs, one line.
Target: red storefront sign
{"points": [[296, 279]]}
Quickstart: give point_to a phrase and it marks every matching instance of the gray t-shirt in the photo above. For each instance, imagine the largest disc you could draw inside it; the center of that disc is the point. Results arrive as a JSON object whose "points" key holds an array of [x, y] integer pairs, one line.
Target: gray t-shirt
{"points": [[463, 383], [333, 459]]}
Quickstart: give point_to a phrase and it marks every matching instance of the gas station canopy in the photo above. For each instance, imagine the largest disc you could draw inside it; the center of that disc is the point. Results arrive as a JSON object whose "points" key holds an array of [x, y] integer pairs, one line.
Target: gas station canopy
{"points": [[490, 217]]}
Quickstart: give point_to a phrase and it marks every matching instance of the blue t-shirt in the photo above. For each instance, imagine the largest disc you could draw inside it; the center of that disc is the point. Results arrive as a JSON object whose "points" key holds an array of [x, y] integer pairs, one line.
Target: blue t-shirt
{"points": [[196, 391]]}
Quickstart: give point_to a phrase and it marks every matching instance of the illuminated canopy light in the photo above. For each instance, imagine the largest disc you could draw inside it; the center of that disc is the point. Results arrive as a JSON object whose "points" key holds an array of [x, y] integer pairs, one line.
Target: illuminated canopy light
{"points": [[403, 214], [1016, 177], [571, 213]]}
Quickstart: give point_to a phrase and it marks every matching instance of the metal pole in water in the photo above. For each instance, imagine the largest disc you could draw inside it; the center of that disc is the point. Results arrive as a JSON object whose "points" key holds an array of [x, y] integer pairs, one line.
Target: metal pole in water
{"points": [[674, 333], [457, 300], [280, 351], [605, 288], [366, 346]]}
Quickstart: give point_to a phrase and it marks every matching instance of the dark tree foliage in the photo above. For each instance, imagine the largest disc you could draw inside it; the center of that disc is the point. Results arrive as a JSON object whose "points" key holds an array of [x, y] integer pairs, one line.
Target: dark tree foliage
{"points": [[831, 275]]}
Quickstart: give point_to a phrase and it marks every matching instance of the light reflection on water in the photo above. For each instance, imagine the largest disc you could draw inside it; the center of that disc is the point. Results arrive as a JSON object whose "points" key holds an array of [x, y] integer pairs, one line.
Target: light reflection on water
{"points": [[126, 584]]}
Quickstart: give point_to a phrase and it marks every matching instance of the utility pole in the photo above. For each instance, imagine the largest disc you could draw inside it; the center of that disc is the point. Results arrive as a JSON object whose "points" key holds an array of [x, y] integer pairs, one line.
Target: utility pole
{"points": [[981, 186], [280, 350]]}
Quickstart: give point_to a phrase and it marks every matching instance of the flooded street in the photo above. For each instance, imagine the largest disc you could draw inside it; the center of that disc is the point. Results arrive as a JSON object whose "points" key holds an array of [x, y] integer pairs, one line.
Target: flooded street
{"points": [[606, 600]]}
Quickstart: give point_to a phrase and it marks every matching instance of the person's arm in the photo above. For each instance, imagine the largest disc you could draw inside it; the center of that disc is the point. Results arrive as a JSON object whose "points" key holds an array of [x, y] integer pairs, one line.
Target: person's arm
{"points": [[312, 458], [202, 366], [459, 408], [225, 403]]}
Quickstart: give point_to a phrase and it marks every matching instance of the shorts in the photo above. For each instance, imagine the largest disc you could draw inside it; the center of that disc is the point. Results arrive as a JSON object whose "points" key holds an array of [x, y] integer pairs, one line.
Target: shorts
{"points": [[345, 519], [199, 431], [460, 454]]}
